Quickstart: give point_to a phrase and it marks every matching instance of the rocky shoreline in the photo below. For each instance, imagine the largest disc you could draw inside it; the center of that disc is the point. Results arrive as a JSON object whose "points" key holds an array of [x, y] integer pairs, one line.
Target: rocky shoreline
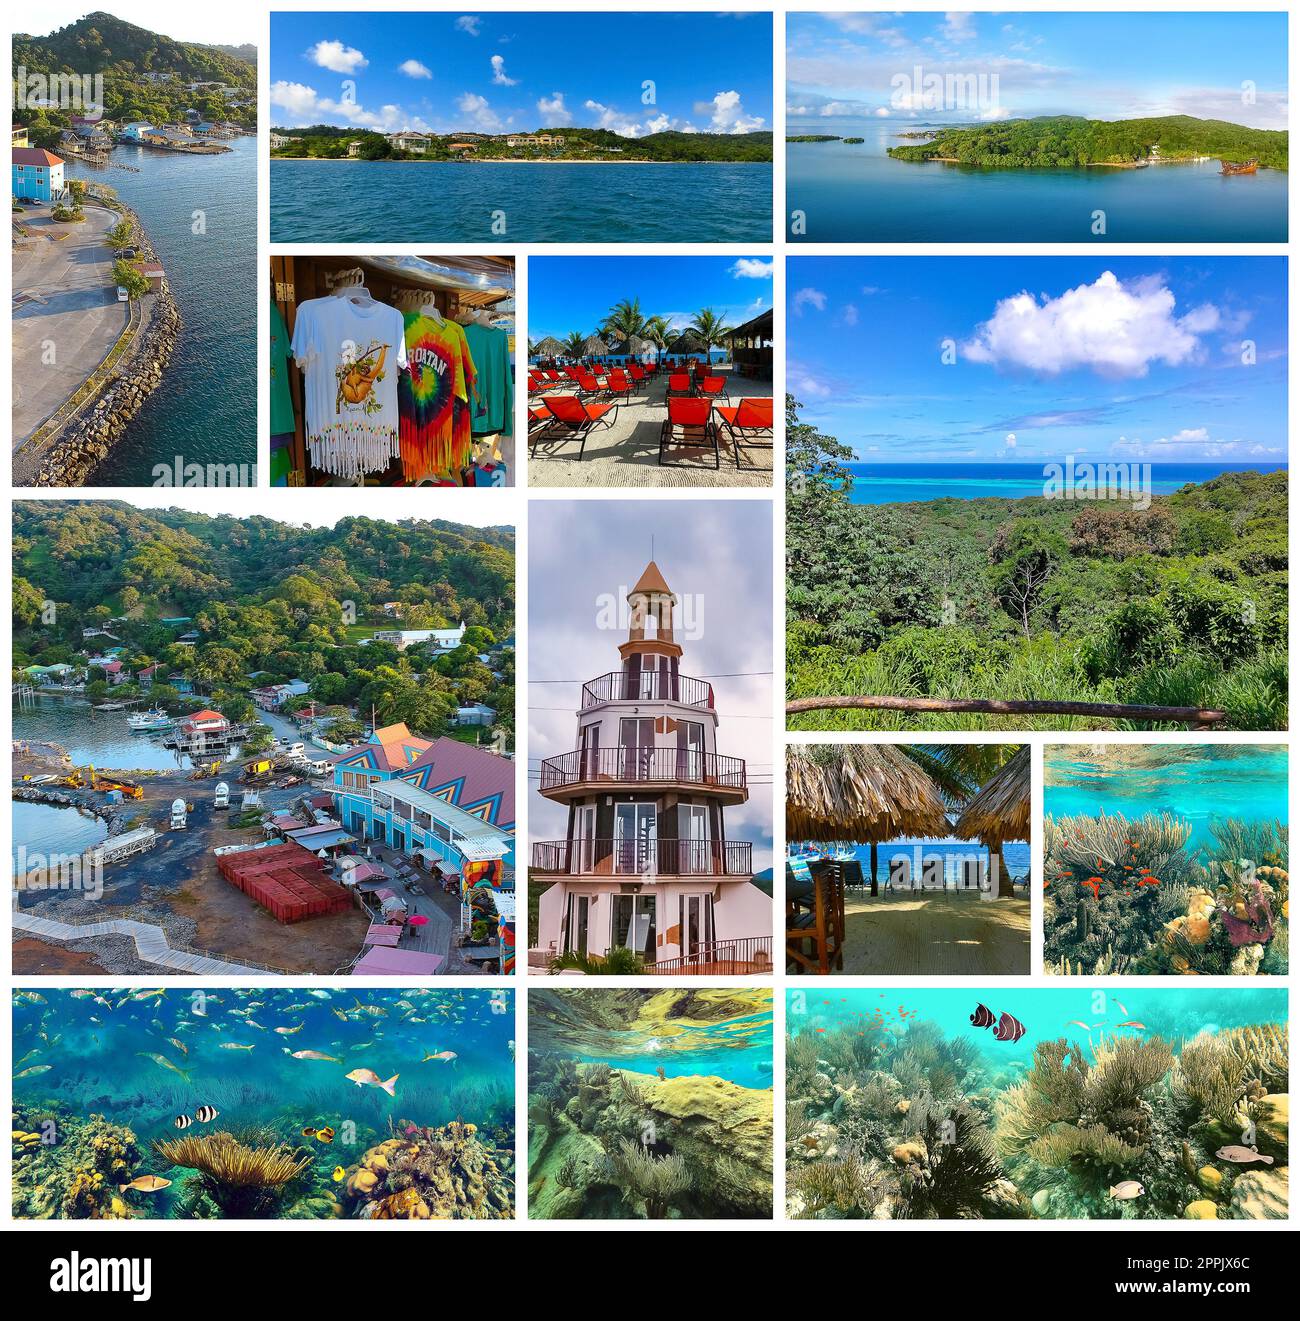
{"points": [[88, 440]]}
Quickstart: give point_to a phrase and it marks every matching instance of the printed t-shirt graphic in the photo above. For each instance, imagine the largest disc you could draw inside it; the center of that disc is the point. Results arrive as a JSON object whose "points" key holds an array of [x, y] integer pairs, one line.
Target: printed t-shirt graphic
{"points": [[433, 398], [350, 354]]}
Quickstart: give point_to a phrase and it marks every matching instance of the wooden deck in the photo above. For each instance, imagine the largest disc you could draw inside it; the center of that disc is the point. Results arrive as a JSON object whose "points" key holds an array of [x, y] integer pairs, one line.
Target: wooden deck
{"points": [[951, 934]]}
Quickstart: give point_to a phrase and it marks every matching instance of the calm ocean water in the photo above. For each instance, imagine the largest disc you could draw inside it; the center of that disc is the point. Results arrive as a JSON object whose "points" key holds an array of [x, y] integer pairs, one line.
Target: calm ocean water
{"points": [[855, 193], [902, 483], [1200, 785], [206, 408], [440, 202]]}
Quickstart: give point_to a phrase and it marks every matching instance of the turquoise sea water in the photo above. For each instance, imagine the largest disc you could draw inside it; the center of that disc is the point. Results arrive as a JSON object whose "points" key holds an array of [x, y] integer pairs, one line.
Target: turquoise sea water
{"points": [[1200, 784], [93, 1052], [903, 483], [737, 1049], [856, 193], [458, 202], [205, 410], [952, 851], [1046, 1013]]}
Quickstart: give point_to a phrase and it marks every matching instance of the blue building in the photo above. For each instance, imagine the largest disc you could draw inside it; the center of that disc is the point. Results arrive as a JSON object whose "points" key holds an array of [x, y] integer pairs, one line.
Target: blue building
{"points": [[37, 175]]}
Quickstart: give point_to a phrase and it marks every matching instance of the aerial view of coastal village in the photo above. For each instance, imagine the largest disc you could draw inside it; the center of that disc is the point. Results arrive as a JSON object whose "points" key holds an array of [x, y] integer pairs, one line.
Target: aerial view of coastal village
{"points": [[134, 318], [518, 130], [244, 746], [1036, 127]]}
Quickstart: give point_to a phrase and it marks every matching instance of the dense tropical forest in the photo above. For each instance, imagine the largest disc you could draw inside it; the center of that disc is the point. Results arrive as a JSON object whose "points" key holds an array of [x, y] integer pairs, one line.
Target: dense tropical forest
{"points": [[1180, 604], [147, 76], [328, 141], [1065, 141], [270, 602]]}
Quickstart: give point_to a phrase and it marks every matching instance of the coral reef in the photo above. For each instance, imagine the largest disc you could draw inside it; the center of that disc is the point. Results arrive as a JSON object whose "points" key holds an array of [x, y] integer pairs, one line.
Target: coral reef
{"points": [[239, 1177], [449, 1173], [913, 1124], [71, 1167], [614, 1143], [1130, 897]]}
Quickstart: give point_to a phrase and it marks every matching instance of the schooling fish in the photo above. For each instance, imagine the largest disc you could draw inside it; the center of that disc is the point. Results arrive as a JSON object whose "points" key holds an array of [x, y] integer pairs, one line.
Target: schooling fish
{"points": [[233, 1045], [368, 1078], [1126, 1191], [1243, 1156], [442, 1055], [313, 1055], [1008, 1029], [36, 1068], [163, 1062], [287, 1031], [982, 1017]]}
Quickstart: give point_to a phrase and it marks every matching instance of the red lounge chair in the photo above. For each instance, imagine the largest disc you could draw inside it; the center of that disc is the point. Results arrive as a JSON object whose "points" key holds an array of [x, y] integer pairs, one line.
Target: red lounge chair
{"points": [[679, 384], [712, 387], [618, 385], [573, 419], [747, 424], [538, 420], [688, 426], [589, 385]]}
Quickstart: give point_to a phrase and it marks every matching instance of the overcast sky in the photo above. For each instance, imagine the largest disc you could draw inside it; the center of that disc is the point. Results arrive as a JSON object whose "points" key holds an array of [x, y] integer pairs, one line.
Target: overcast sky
{"points": [[716, 555]]}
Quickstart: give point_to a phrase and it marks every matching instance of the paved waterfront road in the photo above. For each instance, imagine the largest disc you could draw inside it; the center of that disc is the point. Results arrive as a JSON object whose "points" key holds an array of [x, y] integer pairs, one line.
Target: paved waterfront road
{"points": [[65, 306]]}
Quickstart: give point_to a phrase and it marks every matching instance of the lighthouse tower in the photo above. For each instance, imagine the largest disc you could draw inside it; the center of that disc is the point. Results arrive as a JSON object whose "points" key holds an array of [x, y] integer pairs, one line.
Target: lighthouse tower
{"points": [[646, 862]]}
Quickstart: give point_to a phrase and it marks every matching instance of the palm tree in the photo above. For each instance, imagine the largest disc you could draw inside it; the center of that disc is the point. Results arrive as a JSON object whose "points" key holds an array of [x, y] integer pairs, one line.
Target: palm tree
{"points": [[959, 769], [625, 319], [573, 343], [709, 327], [657, 331]]}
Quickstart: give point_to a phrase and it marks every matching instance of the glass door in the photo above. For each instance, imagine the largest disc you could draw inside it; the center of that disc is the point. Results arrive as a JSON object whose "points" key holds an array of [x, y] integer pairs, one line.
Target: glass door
{"points": [[636, 829], [634, 924], [697, 927], [694, 858], [636, 736], [690, 751], [576, 927], [582, 855]]}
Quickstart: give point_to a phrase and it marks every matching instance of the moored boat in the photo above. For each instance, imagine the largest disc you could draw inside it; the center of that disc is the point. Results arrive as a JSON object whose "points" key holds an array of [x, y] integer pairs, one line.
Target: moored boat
{"points": [[1238, 167], [145, 722]]}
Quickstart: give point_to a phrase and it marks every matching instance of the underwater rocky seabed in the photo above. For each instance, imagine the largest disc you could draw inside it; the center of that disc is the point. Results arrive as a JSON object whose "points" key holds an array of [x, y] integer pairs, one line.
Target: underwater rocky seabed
{"points": [[918, 1124], [1131, 897], [95, 1135], [620, 1143]]}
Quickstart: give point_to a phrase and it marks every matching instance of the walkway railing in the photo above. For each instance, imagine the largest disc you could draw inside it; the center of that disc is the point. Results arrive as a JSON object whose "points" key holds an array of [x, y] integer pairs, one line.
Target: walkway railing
{"points": [[638, 765], [644, 858], [719, 958]]}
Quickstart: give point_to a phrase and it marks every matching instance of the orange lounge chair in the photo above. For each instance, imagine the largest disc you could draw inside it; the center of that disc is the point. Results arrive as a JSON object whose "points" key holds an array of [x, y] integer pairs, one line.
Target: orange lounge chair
{"points": [[572, 418], [679, 384], [747, 423], [712, 387], [688, 426]]}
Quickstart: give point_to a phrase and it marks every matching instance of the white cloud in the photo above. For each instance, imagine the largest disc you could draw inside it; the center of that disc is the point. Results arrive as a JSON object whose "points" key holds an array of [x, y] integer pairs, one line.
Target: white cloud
{"points": [[1010, 440], [469, 23], [302, 106], [336, 57], [485, 119], [499, 75], [808, 298], [614, 120], [554, 111], [1110, 327], [414, 69], [959, 25], [728, 115], [850, 314], [752, 268]]}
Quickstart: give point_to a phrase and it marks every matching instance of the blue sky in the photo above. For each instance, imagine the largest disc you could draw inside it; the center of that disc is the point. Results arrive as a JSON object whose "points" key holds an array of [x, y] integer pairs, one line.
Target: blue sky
{"points": [[575, 293], [716, 555], [518, 72], [1100, 65], [1129, 358]]}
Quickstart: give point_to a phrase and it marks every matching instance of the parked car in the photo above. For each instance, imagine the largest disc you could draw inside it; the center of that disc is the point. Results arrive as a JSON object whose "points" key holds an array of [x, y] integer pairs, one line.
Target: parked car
{"points": [[123, 296]]}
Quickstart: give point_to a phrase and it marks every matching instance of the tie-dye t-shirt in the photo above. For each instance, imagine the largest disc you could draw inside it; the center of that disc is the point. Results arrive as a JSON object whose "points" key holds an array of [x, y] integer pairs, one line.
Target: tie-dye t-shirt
{"points": [[433, 400]]}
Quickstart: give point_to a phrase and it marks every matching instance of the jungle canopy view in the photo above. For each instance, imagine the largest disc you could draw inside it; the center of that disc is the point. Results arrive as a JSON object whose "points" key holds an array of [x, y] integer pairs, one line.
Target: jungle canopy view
{"points": [[1180, 604]]}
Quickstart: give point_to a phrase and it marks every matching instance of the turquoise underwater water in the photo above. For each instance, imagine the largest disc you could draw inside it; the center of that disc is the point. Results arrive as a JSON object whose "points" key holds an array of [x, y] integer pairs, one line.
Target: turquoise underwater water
{"points": [[1046, 1013], [98, 1046], [1246, 783], [739, 1049]]}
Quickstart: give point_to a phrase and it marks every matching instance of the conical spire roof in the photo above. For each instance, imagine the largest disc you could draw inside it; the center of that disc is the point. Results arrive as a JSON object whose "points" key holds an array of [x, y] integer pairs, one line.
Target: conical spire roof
{"points": [[652, 580]]}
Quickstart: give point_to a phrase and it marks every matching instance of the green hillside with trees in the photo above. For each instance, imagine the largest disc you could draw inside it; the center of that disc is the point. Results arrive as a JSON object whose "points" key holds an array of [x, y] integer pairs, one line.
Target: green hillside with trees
{"points": [[1180, 604], [271, 602], [1064, 142]]}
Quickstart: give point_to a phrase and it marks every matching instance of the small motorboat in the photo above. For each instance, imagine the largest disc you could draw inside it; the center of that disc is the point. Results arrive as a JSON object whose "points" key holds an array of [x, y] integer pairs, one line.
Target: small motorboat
{"points": [[145, 722], [1238, 167]]}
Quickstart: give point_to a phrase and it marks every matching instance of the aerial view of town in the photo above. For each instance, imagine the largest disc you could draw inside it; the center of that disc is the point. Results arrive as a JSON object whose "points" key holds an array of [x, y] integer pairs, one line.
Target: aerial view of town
{"points": [[134, 167], [245, 746]]}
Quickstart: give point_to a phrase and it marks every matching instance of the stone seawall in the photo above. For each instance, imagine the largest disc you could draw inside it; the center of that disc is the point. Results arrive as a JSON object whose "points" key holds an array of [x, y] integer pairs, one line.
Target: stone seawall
{"points": [[89, 438]]}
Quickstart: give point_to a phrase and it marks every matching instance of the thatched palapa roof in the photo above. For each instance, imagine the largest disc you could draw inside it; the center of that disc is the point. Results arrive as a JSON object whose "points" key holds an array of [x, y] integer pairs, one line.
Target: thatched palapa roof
{"points": [[594, 346], [687, 342], [859, 792], [1000, 811], [549, 347]]}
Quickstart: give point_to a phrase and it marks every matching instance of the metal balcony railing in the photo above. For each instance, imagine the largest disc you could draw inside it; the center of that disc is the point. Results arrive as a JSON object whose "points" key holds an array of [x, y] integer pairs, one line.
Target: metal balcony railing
{"points": [[649, 686], [643, 765], [648, 858]]}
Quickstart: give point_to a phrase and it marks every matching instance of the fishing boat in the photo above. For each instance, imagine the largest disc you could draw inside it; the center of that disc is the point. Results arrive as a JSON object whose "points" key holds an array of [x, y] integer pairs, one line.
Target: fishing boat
{"points": [[146, 722], [1238, 167]]}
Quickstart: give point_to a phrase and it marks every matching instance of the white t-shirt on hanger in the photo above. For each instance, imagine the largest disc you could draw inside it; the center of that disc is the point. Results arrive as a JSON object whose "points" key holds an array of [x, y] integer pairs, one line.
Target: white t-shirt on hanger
{"points": [[350, 353]]}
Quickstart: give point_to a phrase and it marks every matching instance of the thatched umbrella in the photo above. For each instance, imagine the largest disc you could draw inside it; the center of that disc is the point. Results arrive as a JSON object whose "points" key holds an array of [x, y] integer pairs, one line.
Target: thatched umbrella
{"points": [[594, 347], [687, 342], [999, 812], [863, 793], [550, 347]]}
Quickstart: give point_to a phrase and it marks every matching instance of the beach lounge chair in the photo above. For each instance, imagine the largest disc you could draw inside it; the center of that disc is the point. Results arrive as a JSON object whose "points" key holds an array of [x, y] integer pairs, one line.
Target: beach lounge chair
{"points": [[688, 426], [618, 385], [679, 384], [712, 387], [573, 419], [747, 424]]}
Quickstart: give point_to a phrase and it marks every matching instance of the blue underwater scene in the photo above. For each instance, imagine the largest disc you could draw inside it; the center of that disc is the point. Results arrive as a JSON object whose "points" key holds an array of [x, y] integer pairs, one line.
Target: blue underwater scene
{"points": [[1169, 859], [1025, 1103], [651, 1105], [263, 1104]]}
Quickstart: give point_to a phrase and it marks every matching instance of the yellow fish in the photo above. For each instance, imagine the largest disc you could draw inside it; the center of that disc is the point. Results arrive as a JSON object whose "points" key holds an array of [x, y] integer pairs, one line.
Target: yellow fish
{"points": [[339, 1174], [146, 1183]]}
